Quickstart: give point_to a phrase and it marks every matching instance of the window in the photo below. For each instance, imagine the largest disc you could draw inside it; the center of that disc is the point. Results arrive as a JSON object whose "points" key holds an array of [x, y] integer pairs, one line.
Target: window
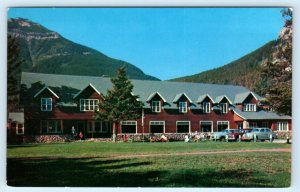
{"points": [[50, 126], [223, 107], [206, 126], [282, 126], [183, 126], [46, 104], [128, 126], [222, 125], [89, 104], [155, 106], [20, 129], [157, 126], [182, 107], [206, 107], [249, 107]]}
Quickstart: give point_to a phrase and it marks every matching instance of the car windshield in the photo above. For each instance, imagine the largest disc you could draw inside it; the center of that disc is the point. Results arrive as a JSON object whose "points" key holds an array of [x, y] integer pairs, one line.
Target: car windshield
{"points": [[255, 130]]}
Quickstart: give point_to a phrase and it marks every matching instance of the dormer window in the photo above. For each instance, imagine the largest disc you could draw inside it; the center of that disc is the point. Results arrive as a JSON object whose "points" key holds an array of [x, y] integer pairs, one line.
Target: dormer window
{"points": [[223, 107], [46, 104], [89, 104], [155, 106], [206, 107], [182, 107], [249, 107]]}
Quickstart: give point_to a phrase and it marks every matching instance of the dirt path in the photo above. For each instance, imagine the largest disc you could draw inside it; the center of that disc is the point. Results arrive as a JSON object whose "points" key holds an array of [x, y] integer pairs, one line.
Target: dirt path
{"points": [[158, 154]]}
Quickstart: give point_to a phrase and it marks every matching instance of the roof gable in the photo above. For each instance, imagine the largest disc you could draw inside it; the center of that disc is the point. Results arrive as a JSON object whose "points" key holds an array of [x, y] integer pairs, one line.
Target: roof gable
{"points": [[45, 89], [90, 85], [220, 98], [152, 95], [178, 96], [202, 97], [240, 98]]}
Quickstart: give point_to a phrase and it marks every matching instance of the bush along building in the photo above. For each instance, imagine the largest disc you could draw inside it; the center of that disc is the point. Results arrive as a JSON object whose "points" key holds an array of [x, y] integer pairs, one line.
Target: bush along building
{"points": [[53, 104]]}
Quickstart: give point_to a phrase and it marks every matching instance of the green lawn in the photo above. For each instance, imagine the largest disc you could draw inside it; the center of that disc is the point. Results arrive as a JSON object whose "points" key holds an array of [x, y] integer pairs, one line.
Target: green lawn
{"points": [[91, 164]]}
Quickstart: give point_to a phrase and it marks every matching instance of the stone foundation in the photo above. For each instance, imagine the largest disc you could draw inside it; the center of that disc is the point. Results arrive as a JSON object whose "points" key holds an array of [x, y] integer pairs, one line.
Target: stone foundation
{"points": [[47, 138], [129, 137], [283, 134]]}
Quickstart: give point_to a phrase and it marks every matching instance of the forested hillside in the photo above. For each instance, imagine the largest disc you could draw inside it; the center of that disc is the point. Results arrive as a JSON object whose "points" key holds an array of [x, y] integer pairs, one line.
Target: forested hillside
{"points": [[244, 71], [46, 51]]}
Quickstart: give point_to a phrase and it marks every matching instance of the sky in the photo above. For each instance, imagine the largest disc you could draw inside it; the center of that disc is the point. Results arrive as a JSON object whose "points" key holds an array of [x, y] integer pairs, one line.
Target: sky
{"points": [[163, 42]]}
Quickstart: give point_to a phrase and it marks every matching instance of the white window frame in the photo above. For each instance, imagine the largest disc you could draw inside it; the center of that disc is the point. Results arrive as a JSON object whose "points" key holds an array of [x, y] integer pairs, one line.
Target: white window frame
{"points": [[280, 125], [223, 122], [17, 129], [212, 125], [156, 106], [86, 105], [224, 107], [183, 121], [129, 123], [206, 107], [46, 104], [157, 123], [182, 107], [249, 107]]}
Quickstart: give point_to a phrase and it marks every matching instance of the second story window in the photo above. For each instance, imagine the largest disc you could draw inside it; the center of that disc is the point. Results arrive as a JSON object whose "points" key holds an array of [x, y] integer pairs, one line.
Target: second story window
{"points": [[46, 104], [89, 104], [182, 107], [155, 106], [206, 107], [249, 107], [223, 107]]}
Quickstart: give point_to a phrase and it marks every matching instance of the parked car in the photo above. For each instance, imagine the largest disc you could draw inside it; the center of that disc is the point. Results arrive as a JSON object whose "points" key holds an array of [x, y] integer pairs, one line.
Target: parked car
{"points": [[222, 134], [234, 136], [260, 134]]}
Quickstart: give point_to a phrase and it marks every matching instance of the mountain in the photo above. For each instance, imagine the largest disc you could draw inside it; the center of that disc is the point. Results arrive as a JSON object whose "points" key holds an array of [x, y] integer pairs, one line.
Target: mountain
{"points": [[46, 51], [244, 71]]}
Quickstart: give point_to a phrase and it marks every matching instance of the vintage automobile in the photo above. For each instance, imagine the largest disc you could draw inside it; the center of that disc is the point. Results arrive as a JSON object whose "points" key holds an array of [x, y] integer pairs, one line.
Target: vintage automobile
{"points": [[261, 134], [222, 134], [234, 136]]}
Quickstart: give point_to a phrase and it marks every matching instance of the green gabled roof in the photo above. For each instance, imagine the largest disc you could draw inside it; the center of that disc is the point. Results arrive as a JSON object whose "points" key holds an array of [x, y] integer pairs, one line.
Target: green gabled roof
{"points": [[220, 98], [144, 88], [259, 115], [178, 96], [202, 97], [239, 98]]}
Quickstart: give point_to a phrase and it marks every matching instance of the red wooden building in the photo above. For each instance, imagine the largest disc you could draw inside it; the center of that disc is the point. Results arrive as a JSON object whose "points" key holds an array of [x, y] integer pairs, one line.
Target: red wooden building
{"points": [[53, 104]]}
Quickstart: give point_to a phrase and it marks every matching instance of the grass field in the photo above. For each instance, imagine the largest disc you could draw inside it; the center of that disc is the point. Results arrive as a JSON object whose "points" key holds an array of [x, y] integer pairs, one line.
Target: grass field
{"points": [[118, 165]]}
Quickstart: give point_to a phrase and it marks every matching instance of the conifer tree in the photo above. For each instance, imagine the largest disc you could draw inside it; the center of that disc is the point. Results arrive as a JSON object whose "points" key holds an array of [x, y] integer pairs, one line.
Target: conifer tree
{"points": [[277, 71], [119, 104], [13, 73]]}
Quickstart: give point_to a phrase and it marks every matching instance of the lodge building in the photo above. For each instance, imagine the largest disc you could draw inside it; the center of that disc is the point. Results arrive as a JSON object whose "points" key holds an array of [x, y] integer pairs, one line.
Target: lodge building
{"points": [[53, 104]]}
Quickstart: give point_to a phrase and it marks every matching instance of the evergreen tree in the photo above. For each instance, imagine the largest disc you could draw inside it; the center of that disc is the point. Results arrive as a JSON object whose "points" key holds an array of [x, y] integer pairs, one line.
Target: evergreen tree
{"points": [[278, 69], [13, 73], [119, 104]]}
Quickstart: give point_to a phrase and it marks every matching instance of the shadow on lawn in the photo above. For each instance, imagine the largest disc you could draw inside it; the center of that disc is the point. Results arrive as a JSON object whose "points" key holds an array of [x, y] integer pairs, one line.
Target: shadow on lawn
{"points": [[95, 172]]}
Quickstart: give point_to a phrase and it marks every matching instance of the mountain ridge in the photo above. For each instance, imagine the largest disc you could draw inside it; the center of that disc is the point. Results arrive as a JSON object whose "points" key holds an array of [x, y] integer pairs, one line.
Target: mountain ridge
{"points": [[241, 71], [46, 51]]}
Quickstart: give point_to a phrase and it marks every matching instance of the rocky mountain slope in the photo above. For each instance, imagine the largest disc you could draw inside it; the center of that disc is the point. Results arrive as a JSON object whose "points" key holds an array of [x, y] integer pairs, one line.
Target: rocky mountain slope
{"points": [[45, 51]]}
